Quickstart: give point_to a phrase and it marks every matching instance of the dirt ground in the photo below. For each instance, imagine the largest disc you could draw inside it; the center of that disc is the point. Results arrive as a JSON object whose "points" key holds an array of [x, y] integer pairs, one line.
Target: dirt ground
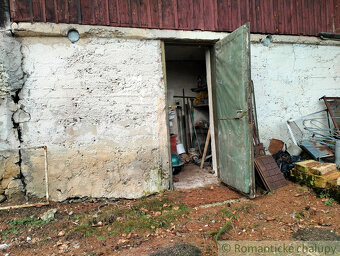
{"points": [[141, 227]]}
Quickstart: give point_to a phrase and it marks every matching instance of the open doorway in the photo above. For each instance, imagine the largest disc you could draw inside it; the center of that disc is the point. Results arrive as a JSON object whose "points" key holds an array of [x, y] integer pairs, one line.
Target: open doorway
{"points": [[229, 95], [189, 116]]}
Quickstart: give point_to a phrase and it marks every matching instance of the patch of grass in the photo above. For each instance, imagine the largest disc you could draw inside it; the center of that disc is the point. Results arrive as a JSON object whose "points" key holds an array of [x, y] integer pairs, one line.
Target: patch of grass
{"points": [[299, 215], [19, 224], [329, 202], [231, 216], [28, 222], [224, 229], [146, 214], [245, 208], [101, 237]]}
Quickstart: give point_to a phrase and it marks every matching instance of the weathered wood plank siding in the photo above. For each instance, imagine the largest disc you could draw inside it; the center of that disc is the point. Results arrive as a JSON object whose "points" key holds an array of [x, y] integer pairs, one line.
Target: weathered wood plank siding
{"points": [[290, 17]]}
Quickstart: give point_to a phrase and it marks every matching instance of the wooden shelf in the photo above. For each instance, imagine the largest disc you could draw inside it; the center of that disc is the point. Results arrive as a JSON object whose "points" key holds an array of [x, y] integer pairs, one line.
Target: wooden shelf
{"points": [[201, 106], [203, 89]]}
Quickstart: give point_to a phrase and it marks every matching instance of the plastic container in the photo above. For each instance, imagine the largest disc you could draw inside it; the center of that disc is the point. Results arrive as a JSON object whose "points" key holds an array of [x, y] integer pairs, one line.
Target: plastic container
{"points": [[173, 142], [180, 149]]}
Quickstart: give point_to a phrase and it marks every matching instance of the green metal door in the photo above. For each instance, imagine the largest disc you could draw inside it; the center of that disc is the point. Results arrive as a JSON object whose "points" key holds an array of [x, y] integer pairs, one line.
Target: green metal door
{"points": [[232, 111]]}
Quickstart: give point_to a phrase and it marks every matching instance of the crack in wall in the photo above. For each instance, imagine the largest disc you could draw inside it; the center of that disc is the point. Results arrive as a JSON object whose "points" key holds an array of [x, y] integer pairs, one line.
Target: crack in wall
{"points": [[12, 80]]}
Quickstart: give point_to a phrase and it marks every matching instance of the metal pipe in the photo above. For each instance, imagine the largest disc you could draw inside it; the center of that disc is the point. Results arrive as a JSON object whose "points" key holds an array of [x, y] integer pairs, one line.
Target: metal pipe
{"points": [[46, 174]]}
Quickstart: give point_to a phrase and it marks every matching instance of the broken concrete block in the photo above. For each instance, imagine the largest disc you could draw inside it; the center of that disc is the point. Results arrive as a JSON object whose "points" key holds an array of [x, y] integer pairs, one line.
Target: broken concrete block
{"points": [[15, 190], [316, 174], [21, 116], [305, 166]]}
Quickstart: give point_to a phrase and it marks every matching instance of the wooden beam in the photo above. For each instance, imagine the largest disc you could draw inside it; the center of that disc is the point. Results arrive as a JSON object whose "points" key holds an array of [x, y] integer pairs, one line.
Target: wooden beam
{"points": [[211, 110]]}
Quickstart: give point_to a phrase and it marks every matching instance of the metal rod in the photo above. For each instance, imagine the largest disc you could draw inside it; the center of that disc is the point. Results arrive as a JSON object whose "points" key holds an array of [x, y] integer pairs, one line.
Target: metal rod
{"points": [[337, 154], [46, 174], [23, 206], [330, 112]]}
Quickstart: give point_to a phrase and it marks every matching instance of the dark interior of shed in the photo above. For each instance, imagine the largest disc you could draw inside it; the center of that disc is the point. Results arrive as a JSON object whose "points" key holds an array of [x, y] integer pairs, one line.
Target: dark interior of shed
{"points": [[188, 106]]}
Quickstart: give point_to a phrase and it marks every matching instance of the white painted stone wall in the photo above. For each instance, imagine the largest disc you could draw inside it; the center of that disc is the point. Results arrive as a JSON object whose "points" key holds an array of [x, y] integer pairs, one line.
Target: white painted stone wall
{"points": [[99, 106], [289, 79]]}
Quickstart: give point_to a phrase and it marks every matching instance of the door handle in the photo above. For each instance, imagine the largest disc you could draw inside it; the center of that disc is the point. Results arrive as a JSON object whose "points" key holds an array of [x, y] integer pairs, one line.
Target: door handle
{"points": [[240, 113]]}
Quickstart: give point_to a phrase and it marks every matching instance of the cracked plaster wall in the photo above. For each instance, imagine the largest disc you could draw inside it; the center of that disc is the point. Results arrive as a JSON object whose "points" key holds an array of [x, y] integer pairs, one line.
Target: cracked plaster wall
{"points": [[11, 82], [289, 79], [99, 106]]}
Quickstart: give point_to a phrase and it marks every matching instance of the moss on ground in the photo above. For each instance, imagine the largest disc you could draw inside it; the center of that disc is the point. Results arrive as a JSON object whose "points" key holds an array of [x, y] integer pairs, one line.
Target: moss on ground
{"points": [[146, 214]]}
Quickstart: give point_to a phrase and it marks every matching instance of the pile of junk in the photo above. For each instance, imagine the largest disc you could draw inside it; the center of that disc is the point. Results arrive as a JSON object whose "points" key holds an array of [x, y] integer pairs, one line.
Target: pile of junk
{"points": [[315, 136], [190, 129], [313, 158]]}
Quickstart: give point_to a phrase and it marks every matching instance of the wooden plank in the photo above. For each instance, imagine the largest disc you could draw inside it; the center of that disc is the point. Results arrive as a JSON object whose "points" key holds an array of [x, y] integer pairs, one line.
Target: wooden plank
{"points": [[168, 15], [209, 14], [21, 10], [311, 17], [87, 13], [99, 12], [62, 13], [135, 13], [124, 12], [235, 15], [252, 15], [211, 109], [245, 11], [323, 22], [73, 11], [299, 18], [50, 11], [197, 15], [337, 16], [294, 18], [185, 14], [37, 10], [222, 15], [144, 14], [113, 12], [154, 13], [207, 141]]}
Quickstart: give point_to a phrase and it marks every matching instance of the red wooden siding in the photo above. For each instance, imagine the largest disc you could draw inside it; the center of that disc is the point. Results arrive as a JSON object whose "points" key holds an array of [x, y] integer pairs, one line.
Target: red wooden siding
{"points": [[291, 17]]}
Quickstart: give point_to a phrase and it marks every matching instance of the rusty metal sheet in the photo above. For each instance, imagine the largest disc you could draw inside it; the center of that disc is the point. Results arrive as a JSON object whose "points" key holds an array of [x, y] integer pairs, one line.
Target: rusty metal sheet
{"points": [[270, 173], [231, 99], [294, 17], [316, 149]]}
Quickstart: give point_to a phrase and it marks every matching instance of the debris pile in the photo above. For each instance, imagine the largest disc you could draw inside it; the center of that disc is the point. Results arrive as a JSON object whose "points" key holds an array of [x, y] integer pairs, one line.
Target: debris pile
{"points": [[319, 176]]}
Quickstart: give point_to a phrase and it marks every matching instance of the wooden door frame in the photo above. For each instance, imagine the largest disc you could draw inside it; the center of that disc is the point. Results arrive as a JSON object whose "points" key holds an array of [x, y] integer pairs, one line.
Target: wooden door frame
{"points": [[210, 99]]}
